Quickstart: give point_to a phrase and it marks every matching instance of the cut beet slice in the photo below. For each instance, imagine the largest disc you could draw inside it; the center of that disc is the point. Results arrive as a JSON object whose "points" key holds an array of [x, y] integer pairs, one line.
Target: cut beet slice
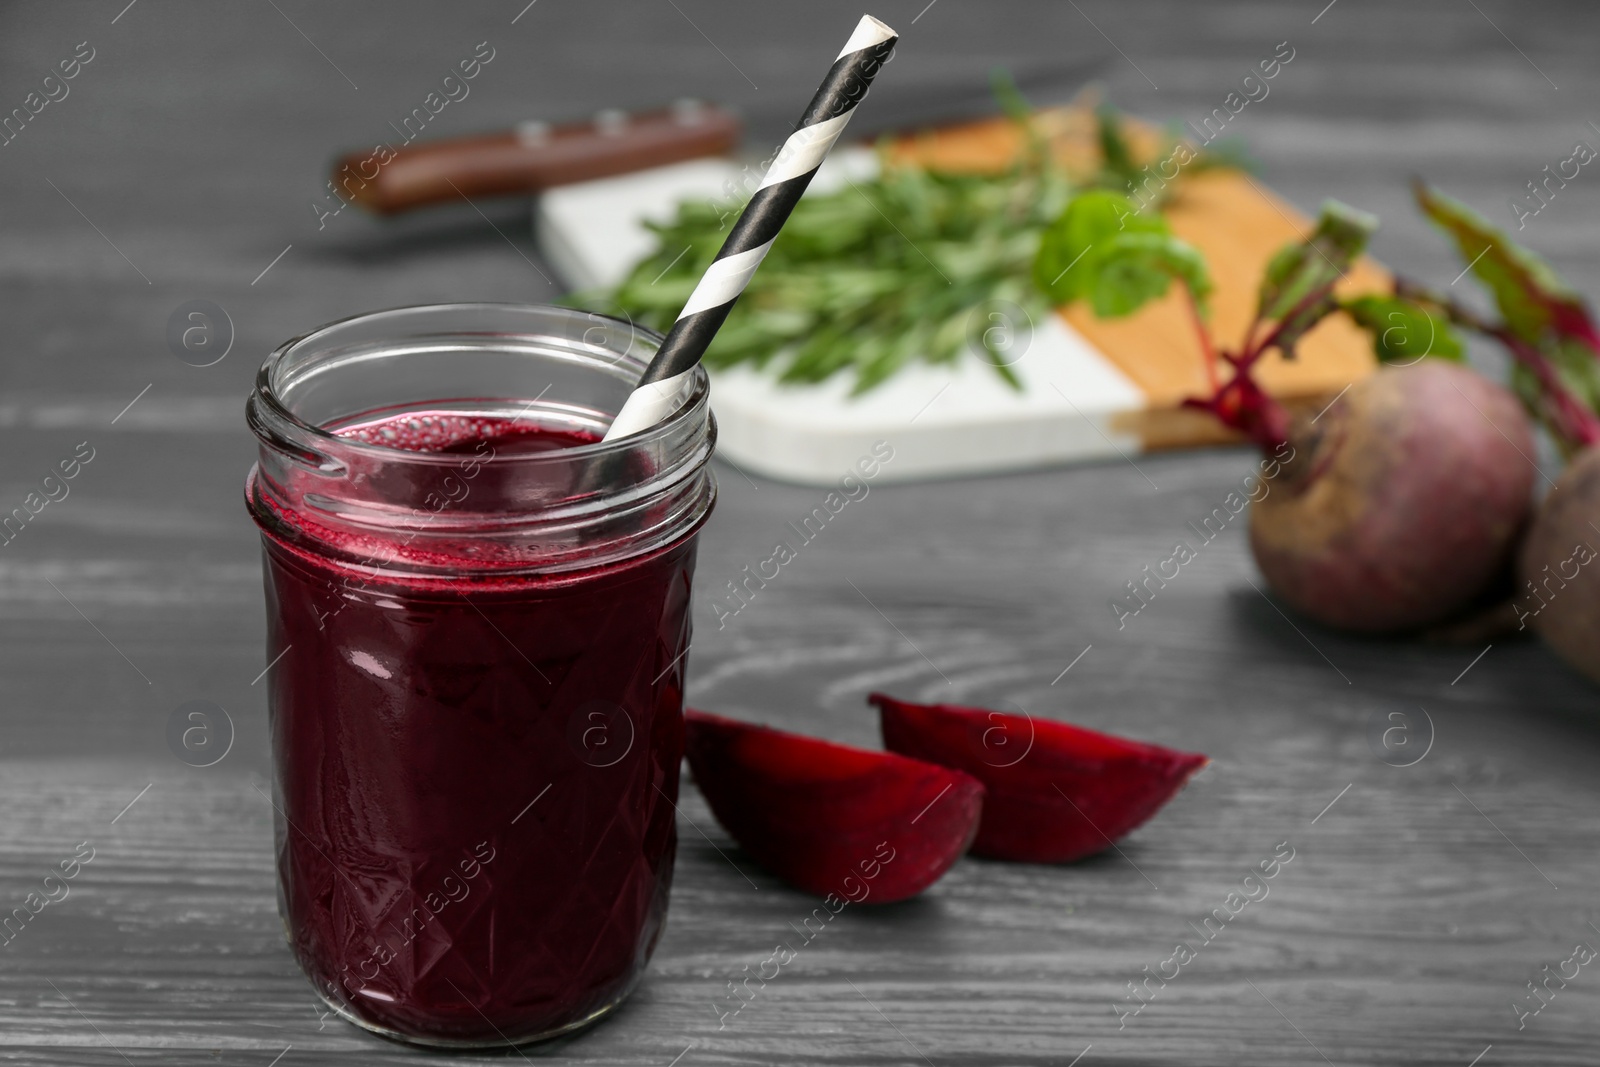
{"points": [[1054, 792], [829, 818]]}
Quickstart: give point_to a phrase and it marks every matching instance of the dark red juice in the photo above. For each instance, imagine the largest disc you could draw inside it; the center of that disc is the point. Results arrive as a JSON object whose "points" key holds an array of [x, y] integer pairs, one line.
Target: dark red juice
{"points": [[477, 771]]}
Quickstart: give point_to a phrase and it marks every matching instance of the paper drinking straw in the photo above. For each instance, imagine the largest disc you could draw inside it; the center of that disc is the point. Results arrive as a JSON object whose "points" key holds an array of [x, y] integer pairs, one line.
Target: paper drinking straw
{"points": [[658, 393]]}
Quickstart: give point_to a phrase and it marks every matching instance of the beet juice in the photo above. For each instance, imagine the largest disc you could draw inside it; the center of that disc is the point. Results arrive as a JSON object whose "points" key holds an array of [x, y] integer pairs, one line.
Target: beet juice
{"points": [[478, 616]]}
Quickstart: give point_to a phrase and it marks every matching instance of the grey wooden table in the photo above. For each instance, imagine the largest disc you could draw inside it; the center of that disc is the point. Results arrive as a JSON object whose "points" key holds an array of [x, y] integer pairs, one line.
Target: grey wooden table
{"points": [[183, 164]]}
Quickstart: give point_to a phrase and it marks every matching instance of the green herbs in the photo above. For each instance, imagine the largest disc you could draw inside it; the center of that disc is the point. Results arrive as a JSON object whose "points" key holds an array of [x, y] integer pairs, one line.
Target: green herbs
{"points": [[884, 271], [905, 266], [1150, 177]]}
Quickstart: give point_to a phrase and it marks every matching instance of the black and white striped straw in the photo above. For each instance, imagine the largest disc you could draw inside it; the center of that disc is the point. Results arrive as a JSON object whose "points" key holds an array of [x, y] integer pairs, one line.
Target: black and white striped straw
{"points": [[660, 388]]}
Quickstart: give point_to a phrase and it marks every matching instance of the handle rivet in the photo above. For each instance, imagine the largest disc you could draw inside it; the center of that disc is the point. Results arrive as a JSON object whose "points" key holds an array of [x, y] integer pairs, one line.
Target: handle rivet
{"points": [[533, 133], [688, 112]]}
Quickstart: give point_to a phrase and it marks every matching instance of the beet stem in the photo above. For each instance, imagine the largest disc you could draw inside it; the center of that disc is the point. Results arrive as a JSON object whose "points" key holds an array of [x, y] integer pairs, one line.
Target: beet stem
{"points": [[1568, 417], [1240, 403], [1310, 301], [1206, 348]]}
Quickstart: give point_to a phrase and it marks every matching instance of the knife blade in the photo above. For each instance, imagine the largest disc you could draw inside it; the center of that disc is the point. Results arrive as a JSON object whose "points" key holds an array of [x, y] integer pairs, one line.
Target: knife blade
{"points": [[540, 155]]}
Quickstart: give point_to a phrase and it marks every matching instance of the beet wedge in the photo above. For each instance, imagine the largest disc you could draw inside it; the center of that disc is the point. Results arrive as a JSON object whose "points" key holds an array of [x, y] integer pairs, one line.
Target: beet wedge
{"points": [[1053, 792], [832, 819]]}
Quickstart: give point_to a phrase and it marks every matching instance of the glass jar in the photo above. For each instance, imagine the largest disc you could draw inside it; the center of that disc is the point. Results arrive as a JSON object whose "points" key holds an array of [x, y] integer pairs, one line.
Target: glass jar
{"points": [[477, 621]]}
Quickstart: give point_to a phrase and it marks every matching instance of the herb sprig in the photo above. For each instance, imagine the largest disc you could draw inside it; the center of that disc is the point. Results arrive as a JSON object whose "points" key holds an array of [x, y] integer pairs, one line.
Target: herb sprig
{"points": [[886, 271], [868, 278]]}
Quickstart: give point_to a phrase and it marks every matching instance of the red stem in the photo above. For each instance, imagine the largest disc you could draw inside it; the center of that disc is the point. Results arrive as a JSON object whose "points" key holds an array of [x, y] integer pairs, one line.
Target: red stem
{"points": [[1240, 403], [1578, 325], [1307, 302], [1206, 348], [1574, 422], [1569, 418]]}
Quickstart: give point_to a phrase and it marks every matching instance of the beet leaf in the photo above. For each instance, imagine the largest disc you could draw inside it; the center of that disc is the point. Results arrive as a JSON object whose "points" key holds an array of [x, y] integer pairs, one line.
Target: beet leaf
{"points": [[1533, 299], [1297, 288], [1545, 324], [1403, 331], [1104, 251]]}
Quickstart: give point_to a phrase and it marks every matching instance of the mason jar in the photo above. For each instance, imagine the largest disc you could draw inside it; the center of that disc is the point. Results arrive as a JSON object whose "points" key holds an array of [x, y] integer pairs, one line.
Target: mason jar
{"points": [[477, 626]]}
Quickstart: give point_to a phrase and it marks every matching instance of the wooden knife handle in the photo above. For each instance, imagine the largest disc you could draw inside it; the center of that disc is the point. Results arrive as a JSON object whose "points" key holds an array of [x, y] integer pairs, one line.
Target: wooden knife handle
{"points": [[532, 157]]}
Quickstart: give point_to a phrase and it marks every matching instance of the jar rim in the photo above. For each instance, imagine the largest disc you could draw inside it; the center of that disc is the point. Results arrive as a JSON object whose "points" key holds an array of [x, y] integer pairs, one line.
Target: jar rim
{"points": [[546, 511], [266, 396]]}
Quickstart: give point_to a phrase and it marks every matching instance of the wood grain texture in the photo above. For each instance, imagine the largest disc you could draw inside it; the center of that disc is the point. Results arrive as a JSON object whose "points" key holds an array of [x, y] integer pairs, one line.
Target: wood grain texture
{"points": [[1416, 907]]}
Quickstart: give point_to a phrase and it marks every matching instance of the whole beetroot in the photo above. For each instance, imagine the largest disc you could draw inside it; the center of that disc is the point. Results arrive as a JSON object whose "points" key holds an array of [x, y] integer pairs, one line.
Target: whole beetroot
{"points": [[1553, 338], [1396, 508], [1559, 594], [1403, 502]]}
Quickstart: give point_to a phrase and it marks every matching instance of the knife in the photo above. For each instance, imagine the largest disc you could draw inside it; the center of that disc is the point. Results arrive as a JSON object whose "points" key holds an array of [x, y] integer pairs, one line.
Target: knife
{"points": [[540, 155]]}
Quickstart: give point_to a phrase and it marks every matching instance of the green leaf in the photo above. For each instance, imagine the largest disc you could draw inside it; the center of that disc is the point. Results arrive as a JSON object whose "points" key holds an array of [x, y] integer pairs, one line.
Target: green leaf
{"points": [[1579, 370], [1298, 270], [1296, 289], [1116, 156], [1404, 332], [1532, 297], [1135, 268], [1104, 251], [1012, 103], [1090, 219]]}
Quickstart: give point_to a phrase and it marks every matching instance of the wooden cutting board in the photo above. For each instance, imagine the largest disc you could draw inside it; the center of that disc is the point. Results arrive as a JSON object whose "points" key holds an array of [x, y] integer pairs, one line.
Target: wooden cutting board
{"points": [[1093, 388]]}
